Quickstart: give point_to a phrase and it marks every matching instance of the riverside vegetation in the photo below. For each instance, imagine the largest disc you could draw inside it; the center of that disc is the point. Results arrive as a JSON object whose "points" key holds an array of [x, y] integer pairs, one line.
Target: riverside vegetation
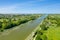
{"points": [[49, 29], [8, 21]]}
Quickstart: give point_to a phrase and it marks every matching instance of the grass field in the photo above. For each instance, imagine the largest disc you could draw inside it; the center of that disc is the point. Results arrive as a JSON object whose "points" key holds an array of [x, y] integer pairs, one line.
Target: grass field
{"points": [[50, 28]]}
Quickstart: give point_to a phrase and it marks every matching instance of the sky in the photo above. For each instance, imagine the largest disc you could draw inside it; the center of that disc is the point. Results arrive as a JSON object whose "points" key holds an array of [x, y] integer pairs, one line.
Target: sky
{"points": [[29, 6]]}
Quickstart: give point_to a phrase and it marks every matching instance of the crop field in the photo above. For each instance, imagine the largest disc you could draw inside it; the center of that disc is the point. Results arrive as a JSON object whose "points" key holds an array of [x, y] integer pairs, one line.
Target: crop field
{"points": [[49, 29]]}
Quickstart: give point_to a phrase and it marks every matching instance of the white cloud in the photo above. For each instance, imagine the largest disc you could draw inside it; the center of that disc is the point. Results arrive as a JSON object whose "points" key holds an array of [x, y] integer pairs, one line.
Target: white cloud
{"points": [[16, 8], [28, 7], [7, 9]]}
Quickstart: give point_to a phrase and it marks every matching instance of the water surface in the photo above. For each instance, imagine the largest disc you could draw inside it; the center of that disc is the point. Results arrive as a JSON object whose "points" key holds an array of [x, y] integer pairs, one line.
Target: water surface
{"points": [[22, 31]]}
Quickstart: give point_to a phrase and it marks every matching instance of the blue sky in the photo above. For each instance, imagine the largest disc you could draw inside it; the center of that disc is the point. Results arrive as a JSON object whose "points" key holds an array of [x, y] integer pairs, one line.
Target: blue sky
{"points": [[29, 6]]}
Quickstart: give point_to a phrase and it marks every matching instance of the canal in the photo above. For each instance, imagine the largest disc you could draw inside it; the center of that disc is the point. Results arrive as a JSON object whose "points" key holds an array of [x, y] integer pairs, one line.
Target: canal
{"points": [[21, 32]]}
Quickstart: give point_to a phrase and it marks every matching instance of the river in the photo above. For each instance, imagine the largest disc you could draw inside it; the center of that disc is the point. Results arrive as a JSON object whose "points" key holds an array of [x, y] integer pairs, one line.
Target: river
{"points": [[22, 31]]}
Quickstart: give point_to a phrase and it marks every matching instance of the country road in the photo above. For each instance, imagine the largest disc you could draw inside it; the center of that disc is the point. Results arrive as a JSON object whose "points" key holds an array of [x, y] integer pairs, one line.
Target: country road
{"points": [[21, 32]]}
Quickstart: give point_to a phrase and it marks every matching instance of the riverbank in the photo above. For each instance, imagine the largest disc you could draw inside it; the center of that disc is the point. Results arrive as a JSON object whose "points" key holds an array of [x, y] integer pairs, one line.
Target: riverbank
{"points": [[31, 36], [6, 32]]}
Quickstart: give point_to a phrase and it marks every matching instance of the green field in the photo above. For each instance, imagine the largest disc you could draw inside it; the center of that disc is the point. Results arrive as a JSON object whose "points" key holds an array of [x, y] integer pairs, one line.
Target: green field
{"points": [[50, 28]]}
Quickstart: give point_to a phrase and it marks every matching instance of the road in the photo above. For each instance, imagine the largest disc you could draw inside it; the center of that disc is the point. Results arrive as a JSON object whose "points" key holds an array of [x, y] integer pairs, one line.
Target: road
{"points": [[21, 32]]}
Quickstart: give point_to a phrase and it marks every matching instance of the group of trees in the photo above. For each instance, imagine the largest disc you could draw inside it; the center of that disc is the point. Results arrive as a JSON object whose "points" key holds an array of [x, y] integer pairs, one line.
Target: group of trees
{"points": [[8, 21], [52, 22]]}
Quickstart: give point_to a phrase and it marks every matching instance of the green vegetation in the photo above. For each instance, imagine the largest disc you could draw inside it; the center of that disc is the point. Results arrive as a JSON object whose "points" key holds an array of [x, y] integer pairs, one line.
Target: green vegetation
{"points": [[50, 28], [8, 21]]}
